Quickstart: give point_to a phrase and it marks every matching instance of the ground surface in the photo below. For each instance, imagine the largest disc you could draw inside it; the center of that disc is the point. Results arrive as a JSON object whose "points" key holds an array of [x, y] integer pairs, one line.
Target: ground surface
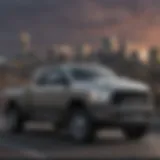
{"points": [[41, 142]]}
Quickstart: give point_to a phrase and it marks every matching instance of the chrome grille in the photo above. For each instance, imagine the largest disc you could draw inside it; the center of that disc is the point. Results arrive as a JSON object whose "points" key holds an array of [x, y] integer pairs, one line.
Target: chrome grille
{"points": [[120, 96]]}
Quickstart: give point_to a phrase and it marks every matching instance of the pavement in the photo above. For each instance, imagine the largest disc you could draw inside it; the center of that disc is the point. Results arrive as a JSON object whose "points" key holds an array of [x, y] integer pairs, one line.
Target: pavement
{"points": [[39, 141], [9, 153]]}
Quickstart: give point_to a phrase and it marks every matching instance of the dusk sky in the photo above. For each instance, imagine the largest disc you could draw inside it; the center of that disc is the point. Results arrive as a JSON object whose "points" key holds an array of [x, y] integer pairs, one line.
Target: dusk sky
{"points": [[76, 21]]}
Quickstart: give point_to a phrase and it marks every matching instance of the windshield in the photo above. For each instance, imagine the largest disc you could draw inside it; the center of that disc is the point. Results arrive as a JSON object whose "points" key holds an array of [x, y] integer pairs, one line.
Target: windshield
{"points": [[91, 73]]}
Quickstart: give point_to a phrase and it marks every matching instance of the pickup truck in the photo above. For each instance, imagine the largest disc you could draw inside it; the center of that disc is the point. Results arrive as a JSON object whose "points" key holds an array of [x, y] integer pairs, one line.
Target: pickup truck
{"points": [[80, 98]]}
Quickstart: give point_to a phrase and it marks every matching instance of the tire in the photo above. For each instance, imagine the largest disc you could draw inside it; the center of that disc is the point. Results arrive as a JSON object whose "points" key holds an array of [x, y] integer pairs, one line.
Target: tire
{"points": [[80, 127], [135, 132], [14, 123], [57, 129]]}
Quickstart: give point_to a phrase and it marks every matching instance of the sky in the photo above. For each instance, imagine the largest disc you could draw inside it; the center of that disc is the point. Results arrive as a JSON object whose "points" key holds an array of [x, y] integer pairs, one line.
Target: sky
{"points": [[77, 21]]}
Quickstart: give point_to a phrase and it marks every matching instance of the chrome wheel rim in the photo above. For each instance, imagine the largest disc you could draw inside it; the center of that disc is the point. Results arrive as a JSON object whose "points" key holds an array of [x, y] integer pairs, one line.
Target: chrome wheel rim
{"points": [[78, 127], [11, 120]]}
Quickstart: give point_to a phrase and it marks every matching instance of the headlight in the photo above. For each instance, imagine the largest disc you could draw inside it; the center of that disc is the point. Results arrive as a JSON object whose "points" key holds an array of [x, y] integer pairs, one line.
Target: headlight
{"points": [[99, 96]]}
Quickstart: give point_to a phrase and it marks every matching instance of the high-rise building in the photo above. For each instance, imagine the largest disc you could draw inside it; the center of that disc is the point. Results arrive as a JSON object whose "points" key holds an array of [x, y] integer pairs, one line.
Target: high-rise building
{"points": [[25, 40], [109, 44], [86, 49], [134, 56], [124, 49], [106, 45], [114, 43], [78, 53], [66, 49], [63, 50], [153, 57], [3, 60]]}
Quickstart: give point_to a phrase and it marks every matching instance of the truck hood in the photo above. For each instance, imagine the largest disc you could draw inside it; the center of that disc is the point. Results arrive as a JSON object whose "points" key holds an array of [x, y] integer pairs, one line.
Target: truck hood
{"points": [[110, 84], [121, 84]]}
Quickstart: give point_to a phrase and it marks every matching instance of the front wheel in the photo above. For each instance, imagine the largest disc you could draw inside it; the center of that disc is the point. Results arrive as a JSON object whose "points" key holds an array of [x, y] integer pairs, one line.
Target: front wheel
{"points": [[135, 132], [80, 127]]}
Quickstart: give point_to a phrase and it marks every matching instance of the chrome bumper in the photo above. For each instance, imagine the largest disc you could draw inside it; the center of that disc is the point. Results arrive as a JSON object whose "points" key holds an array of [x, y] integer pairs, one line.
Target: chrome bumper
{"points": [[123, 115]]}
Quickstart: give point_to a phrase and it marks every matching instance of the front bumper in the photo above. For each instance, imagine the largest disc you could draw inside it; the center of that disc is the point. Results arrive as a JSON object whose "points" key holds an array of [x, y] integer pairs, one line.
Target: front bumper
{"points": [[119, 116]]}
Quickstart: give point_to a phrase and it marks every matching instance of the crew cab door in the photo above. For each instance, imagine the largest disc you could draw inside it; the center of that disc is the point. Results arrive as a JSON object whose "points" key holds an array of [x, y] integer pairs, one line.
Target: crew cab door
{"points": [[50, 95]]}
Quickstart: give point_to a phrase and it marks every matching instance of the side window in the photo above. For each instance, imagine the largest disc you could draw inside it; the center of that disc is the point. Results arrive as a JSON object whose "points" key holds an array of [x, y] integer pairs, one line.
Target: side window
{"points": [[56, 78], [82, 74], [42, 80]]}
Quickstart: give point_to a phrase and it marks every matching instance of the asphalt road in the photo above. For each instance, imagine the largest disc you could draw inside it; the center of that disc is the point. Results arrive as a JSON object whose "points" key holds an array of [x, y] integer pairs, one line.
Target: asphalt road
{"points": [[41, 142]]}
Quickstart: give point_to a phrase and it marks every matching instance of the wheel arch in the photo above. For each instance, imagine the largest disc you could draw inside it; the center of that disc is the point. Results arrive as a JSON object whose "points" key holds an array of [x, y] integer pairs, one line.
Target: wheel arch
{"points": [[12, 104], [76, 103]]}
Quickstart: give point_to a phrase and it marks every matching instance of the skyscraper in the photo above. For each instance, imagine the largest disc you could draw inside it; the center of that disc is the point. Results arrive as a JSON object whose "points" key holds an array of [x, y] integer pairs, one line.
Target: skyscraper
{"points": [[106, 45], [153, 56], [109, 44], [86, 49], [25, 40], [123, 49]]}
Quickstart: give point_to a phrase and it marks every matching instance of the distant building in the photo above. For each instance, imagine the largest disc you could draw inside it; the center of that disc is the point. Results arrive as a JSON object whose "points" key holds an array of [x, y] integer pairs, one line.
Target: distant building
{"points": [[63, 49], [78, 56], [87, 50], [123, 49], [3, 60], [153, 57], [25, 40], [3, 70], [109, 44], [106, 45], [135, 57], [114, 43]]}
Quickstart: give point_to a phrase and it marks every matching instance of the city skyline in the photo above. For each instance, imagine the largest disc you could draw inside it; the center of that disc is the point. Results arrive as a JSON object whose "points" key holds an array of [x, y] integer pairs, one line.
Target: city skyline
{"points": [[73, 21]]}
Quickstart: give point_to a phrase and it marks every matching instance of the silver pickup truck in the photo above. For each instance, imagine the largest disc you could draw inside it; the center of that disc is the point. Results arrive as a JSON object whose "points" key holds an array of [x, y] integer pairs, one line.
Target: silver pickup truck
{"points": [[80, 98]]}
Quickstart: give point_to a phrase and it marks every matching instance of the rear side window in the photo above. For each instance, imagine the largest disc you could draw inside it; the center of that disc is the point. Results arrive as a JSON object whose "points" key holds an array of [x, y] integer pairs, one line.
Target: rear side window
{"points": [[55, 77], [52, 77], [82, 74], [42, 79]]}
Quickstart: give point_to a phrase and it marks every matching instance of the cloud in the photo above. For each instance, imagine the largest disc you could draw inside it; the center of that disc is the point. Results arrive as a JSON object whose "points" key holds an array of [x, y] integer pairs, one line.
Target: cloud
{"points": [[75, 21]]}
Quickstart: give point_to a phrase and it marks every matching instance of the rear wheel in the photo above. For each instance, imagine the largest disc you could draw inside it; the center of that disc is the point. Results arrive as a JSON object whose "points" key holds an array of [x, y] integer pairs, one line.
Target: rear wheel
{"points": [[135, 132], [80, 127], [14, 124]]}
